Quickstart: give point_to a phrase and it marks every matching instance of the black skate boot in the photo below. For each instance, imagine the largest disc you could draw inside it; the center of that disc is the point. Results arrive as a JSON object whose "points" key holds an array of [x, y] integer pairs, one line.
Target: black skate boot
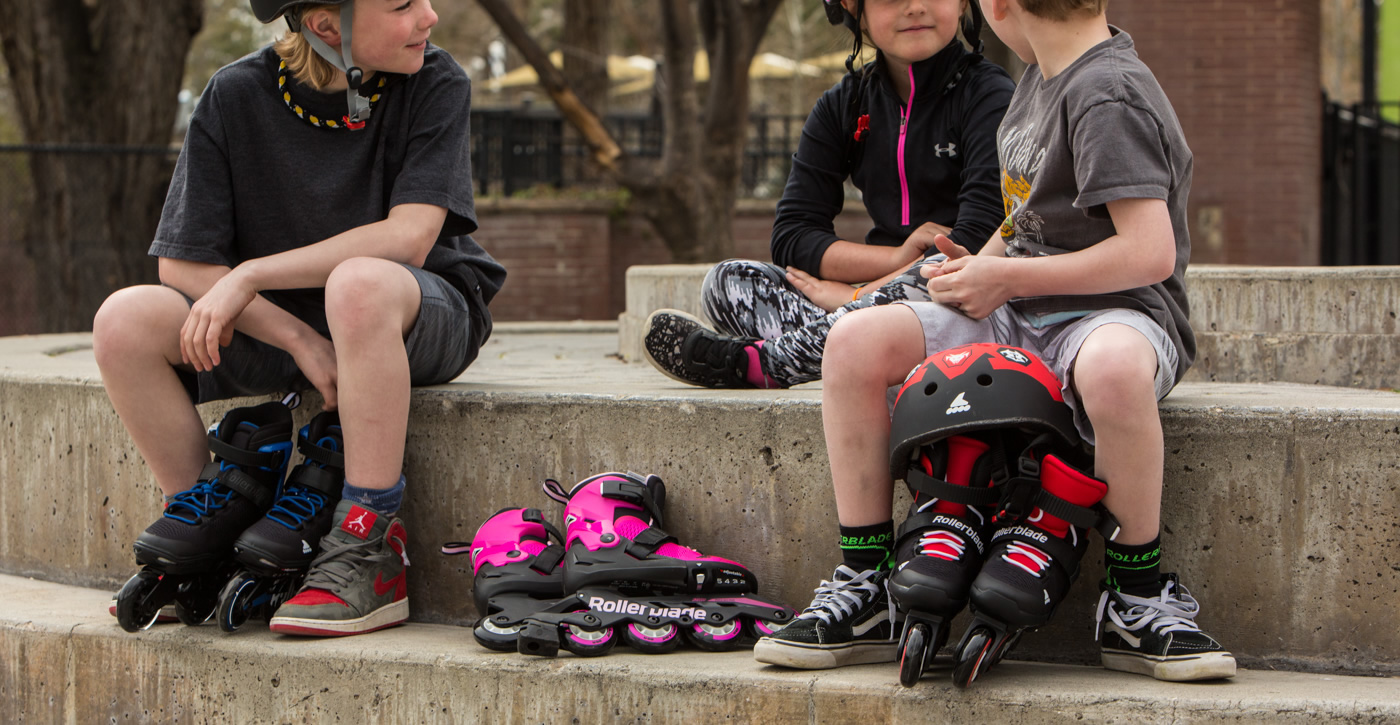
{"points": [[685, 350], [276, 551], [1032, 559], [1158, 636], [940, 546], [187, 552]]}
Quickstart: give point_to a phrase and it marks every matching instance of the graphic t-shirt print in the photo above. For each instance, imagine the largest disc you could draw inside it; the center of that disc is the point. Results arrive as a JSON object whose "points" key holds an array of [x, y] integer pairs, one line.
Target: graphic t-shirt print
{"points": [[1021, 159]]}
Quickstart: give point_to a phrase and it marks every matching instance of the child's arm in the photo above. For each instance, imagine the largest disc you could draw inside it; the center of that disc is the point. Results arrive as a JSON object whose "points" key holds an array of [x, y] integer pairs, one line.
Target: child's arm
{"points": [[260, 319], [1142, 253]]}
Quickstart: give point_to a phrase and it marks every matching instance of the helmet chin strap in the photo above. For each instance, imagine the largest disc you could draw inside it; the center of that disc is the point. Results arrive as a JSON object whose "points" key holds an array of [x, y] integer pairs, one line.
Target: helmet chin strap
{"points": [[358, 105]]}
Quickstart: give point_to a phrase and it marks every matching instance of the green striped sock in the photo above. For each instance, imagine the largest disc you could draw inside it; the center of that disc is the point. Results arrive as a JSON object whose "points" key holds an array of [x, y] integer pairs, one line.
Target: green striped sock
{"points": [[868, 547], [1134, 569]]}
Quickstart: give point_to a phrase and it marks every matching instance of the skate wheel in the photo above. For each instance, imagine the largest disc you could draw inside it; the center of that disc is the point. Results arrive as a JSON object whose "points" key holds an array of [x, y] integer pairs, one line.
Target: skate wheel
{"points": [[763, 627], [497, 633], [198, 599], [136, 607], [586, 642], [652, 640], [973, 657], [718, 636], [235, 602], [912, 655]]}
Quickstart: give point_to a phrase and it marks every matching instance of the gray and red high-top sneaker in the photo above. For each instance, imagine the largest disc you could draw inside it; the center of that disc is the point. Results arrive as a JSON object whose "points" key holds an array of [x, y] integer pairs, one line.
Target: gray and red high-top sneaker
{"points": [[359, 581]]}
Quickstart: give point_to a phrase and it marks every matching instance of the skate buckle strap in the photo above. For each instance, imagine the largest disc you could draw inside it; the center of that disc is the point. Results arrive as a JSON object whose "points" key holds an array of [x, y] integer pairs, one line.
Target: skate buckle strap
{"points": [[1018, 499], [321, 454], [247, 486], [920, 482], [270, 460], [548, 560], [318, 479], [648, 541], [633, 492]]}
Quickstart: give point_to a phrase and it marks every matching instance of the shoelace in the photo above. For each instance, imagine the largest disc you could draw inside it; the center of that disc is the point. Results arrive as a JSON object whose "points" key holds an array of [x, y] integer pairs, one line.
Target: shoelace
{"points": [[1035, 561], [340, 562], [942, 543], [1172, 611], [206, 496], [840, 598]]}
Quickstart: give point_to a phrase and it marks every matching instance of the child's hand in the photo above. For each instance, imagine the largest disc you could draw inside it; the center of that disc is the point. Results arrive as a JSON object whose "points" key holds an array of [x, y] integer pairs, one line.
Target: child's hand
{"points": [[210, 322], [315, 355], [974, 285], [917, 245], [948, 247], [823, 293]]}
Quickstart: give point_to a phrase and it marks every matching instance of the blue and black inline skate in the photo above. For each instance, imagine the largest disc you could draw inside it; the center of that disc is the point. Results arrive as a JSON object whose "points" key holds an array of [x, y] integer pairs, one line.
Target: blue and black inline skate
{"points": [[187, 554]]}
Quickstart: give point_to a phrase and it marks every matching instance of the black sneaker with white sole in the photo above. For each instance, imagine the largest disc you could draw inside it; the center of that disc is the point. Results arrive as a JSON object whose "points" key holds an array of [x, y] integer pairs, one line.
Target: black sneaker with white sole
{"points": [[852, 621], [683, 349], [1158, 636]]}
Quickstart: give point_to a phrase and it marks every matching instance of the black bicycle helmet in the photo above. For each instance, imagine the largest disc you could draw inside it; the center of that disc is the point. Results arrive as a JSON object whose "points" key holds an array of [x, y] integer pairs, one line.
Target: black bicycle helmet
{"points": [[358, 106], [978, 387]]}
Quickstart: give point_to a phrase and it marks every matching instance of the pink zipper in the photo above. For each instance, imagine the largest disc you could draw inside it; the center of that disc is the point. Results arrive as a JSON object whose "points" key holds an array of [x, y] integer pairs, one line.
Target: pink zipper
{"points": [[903, 123]]}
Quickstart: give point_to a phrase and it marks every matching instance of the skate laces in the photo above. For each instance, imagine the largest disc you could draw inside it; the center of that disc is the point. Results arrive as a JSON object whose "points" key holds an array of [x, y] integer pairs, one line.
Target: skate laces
{"points": [[1027, 557], [839, 598], [206, 496], [296, 506], [1174, 610], [942, 543]]}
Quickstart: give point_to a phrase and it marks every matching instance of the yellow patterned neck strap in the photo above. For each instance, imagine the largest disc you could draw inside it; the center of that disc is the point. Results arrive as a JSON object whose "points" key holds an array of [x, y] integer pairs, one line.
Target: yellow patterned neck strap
{"points": [[343, 123]]}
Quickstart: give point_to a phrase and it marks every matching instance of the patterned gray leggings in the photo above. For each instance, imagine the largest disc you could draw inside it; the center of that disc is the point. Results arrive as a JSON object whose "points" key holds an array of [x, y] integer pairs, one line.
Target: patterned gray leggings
{"points": [[744, 298]]}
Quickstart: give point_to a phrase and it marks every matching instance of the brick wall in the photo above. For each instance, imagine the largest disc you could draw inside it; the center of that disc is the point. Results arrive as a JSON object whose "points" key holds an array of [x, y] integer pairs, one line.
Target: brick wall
{"points": [[568, 260], [1245, 79]]}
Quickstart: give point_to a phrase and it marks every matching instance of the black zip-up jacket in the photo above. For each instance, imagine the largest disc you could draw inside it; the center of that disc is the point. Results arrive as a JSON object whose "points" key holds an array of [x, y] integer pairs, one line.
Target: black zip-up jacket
{"points": [[944, 169]]}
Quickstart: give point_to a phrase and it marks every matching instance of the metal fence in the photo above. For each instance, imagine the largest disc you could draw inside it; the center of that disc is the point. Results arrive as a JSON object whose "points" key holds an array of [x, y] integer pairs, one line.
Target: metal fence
{"points": [[513, 150], [1361, 184]]}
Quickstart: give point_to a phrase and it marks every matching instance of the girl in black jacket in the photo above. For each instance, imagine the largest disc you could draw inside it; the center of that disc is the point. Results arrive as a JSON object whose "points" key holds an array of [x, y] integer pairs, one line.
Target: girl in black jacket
{"points": [[915, 131]]}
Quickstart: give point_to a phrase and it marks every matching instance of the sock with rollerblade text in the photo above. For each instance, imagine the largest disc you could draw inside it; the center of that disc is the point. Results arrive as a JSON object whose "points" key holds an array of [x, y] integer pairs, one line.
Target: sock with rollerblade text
{"points": [[1134, 569], [868, 547], [383, 500]]}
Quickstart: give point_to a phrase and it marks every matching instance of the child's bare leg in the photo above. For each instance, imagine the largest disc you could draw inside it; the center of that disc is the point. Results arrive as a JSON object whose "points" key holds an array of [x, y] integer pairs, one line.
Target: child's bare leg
{"points": [[136, 339], [371, 304], [1114, 377], [867, 352]]}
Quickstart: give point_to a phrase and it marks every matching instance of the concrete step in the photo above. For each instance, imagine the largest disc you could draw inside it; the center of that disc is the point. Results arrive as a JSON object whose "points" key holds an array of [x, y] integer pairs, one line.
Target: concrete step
{"points": [[1315, 325], [70, 662], [1282, 503]]}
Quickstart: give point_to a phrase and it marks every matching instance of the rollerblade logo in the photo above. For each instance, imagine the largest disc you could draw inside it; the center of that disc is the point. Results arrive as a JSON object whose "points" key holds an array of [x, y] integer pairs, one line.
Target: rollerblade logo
{"points": [[961, 527], [956, 358], [305, 547], [1025, 531], [1014, 356], [959, 405], [359, 522], [623, 606]]}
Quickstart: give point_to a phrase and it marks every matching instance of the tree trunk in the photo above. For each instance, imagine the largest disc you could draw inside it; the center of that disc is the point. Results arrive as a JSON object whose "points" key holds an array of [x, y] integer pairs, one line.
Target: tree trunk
{"points": [[585, 49], [689, 197], [95, 72]]}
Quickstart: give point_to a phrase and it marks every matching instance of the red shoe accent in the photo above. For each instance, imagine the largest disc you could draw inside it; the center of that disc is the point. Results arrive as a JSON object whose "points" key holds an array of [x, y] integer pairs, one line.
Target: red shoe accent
{"points": [[358, 522], [399, 584], [312, 597]]}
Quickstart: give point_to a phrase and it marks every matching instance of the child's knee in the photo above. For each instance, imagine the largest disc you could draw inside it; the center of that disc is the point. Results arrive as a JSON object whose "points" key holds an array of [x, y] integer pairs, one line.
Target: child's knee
{"points": [[882, 343], [1115, 364], [367, 291], [131, 318]]}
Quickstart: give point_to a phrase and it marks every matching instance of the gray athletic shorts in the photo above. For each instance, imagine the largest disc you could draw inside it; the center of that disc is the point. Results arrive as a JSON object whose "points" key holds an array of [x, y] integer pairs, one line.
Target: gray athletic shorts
{"points": [[1056, 344], [440, 346]]}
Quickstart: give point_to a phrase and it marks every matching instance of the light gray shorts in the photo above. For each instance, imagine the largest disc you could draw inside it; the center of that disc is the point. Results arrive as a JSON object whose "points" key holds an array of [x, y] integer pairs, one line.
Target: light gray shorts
{"points": [[1056, 344], [440, 347]]}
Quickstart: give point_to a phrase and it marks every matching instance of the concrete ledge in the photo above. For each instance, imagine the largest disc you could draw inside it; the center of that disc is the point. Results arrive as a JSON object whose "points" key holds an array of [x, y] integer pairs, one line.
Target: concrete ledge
{"points": [[1315, 325], [1282, 504], [70, 662]]}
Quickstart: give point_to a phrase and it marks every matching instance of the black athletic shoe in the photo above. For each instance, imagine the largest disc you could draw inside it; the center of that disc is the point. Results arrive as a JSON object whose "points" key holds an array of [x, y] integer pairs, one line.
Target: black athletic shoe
{"points": [[1158, 637], [685, 350], [852, 621]]}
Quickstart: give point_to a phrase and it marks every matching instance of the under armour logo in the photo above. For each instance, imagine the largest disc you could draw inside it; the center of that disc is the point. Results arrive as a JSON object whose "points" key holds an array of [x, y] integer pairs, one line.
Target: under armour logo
{"points": [[951, 150]]}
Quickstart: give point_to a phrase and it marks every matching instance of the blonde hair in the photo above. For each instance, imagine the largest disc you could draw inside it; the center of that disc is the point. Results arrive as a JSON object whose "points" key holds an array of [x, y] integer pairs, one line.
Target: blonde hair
{"points": [[304, 63], [1061, 10]]}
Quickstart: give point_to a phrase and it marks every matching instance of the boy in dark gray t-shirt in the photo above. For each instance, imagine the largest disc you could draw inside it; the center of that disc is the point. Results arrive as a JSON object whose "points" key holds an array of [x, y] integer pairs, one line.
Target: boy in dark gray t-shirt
{"points": [[316, 234], [1086, 272]]}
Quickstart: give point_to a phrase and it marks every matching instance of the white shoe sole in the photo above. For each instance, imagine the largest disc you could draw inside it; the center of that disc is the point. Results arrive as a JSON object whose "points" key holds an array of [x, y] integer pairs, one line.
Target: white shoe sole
{"points": [[1188, 668], [822, 657], [385, 616]]}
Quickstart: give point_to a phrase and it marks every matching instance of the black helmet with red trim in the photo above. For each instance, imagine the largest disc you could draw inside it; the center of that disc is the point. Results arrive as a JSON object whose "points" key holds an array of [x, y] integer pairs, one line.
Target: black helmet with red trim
{"points": [[978, 387]]}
